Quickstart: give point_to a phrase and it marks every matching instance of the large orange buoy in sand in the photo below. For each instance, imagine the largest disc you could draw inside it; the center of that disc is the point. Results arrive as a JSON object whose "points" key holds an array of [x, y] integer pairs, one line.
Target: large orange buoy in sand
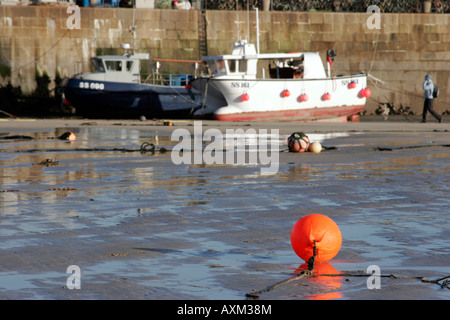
{"points": [[318, 230]]}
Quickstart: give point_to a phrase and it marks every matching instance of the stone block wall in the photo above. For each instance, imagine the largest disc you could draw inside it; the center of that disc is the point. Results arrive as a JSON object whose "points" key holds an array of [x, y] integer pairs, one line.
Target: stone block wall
{"points": [[400, 53]]}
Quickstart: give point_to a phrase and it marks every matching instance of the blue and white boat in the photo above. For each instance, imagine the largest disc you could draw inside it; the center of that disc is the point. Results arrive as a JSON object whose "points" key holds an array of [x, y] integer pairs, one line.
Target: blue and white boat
{"points": [[114, 90]]}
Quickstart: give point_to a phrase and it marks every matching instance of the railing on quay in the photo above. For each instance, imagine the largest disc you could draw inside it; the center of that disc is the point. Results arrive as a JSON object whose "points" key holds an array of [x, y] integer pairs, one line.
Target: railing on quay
{"points": [[386, 6]]}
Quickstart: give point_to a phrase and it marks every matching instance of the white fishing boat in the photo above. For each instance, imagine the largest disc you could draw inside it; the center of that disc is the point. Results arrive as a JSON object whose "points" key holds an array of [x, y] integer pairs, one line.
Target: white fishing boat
{"points": [[246, 85]]}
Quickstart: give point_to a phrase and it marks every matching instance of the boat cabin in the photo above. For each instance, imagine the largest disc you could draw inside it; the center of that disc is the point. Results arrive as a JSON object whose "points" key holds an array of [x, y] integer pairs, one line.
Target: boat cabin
{"points": [[124, 68], [242, 63]]}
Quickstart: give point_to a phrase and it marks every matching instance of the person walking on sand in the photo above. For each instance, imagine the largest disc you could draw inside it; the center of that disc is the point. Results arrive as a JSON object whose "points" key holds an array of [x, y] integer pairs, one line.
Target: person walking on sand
{"points": [[428, 87]]}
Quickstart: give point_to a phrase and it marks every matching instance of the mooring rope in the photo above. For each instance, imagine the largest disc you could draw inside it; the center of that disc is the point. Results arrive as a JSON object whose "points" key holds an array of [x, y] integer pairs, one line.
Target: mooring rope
{"points": [[302, 275]]}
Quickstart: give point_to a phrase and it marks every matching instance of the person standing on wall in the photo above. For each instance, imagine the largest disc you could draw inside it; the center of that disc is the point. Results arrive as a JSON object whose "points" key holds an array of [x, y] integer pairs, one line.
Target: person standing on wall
{"points": [[428, 87]]}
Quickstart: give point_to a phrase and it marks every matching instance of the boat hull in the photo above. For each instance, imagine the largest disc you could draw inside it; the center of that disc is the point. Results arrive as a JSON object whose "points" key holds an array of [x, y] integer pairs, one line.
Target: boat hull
{"points": [[103, 99], [280, 99]]}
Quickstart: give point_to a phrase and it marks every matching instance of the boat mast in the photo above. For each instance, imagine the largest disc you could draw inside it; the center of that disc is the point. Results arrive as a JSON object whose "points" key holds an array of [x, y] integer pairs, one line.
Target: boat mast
{"points": [[257, 31], [248, 23], [132, 28], [237, 21]]}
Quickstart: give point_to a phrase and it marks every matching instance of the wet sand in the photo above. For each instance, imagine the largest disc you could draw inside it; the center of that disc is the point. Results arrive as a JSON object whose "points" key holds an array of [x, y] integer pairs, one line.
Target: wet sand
{"points": [[141, 227]]}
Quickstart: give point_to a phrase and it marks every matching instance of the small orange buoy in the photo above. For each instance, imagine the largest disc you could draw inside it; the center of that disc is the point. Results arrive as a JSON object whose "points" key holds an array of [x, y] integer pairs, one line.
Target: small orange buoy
{"points": [[326, 96], [285, 93], [303, 98], [67, 136], [352, 85], [316, 229], [66, 102], [298, 142], [245, 97], [365, 93]]}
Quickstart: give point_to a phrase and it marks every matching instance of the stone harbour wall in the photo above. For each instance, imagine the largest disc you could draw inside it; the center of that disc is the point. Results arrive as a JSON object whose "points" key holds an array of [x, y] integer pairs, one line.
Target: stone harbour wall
{"points": [[397, 55]]}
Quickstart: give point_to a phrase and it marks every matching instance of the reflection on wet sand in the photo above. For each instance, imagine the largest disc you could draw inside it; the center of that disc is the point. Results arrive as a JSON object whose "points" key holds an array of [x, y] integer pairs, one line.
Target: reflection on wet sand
{"points": [[327, 285]]}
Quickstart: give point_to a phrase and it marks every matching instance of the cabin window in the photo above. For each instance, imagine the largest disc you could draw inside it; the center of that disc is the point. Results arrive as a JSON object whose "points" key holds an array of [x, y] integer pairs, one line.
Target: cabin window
{"points": [[221, 66], [232, 65], [237, 66], [217, 66], [129, 65], [213, 67], [97, 65], [113, 65], [242, 65]]}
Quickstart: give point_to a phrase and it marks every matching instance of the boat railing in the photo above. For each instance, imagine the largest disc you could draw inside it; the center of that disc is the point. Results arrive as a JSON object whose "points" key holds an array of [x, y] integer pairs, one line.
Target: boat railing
{"points": [[167, 79]]}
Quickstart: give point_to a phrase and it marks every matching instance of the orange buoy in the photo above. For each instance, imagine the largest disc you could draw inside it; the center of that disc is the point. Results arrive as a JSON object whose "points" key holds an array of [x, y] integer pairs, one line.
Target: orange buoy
{"points": [[298, 142], [67, 136], [365, 93], [316, 229], [285, 93], [352, 85], [326, 96], [245, 97], [303, 98]]}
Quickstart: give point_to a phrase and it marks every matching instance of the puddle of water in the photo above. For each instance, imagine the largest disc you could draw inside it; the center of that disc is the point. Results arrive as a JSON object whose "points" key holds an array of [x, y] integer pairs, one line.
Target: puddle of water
{"points": [[29, 285]]}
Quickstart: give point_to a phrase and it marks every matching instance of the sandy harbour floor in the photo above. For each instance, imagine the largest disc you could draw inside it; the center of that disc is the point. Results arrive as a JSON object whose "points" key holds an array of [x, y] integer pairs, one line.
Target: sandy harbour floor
{"points": [[139, 226]]}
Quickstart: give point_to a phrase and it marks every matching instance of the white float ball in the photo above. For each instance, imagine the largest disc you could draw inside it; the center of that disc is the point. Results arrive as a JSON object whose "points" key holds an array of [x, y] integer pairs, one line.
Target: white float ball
{"points": [[315, 147]]}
